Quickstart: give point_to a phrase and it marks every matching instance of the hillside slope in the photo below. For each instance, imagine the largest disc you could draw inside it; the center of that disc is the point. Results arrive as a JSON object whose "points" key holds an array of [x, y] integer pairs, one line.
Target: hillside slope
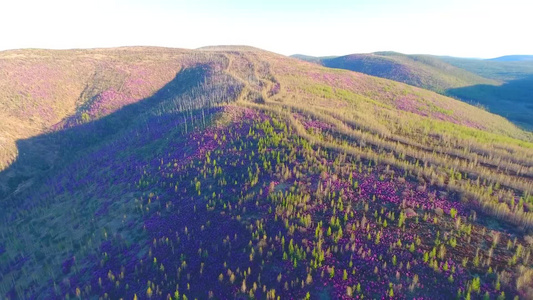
{"points": [[513, 58], [419, 70], [502, 86], [503, 71], [40, 88], [250, 174]]}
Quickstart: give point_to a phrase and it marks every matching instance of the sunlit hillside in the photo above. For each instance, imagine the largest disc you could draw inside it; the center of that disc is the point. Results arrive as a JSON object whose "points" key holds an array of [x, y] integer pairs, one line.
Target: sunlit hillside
{"points": [[232, 172], [424, 71], [502, 85]]}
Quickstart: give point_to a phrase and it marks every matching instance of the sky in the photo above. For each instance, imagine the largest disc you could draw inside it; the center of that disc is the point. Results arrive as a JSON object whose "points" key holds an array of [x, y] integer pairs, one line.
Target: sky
{"points": [[463, 28]]}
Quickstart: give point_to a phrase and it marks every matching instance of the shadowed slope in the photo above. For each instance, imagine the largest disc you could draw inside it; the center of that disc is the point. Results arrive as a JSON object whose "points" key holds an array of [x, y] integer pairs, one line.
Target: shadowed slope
{"points": [[512, 99]]}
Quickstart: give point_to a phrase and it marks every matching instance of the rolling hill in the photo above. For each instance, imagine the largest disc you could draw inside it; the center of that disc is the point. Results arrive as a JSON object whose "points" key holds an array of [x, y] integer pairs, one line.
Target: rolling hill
{"points": [[233, 172], [503, 71], [502, 85], [513, 58], [419, 70]]}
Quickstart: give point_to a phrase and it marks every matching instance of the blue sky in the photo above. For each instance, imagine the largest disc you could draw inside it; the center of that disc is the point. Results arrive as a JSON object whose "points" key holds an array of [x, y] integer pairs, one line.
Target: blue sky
{"points": [[466, 28]]}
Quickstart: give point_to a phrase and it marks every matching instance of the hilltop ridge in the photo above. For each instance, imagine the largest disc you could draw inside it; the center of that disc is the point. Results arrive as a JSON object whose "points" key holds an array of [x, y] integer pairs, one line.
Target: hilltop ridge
{"points": [[513, 58]]}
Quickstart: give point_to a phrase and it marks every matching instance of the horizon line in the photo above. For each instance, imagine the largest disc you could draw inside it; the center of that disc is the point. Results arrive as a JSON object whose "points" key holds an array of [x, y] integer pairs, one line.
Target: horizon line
{"points": [[242, 45]]}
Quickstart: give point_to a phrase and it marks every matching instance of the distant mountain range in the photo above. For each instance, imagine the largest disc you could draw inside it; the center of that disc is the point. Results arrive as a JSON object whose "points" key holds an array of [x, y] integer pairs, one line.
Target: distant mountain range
{"points": [[513, 58], [503, 85]]}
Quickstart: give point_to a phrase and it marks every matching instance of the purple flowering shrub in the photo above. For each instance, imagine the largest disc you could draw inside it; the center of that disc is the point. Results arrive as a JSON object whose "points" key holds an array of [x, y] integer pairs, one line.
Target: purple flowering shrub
{"points": [[248, 209]]}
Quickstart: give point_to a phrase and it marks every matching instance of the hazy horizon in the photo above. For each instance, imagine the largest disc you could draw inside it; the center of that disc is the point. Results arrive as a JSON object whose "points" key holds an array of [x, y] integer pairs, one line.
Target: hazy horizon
{"points": [[293, 54], [480, 29]]}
